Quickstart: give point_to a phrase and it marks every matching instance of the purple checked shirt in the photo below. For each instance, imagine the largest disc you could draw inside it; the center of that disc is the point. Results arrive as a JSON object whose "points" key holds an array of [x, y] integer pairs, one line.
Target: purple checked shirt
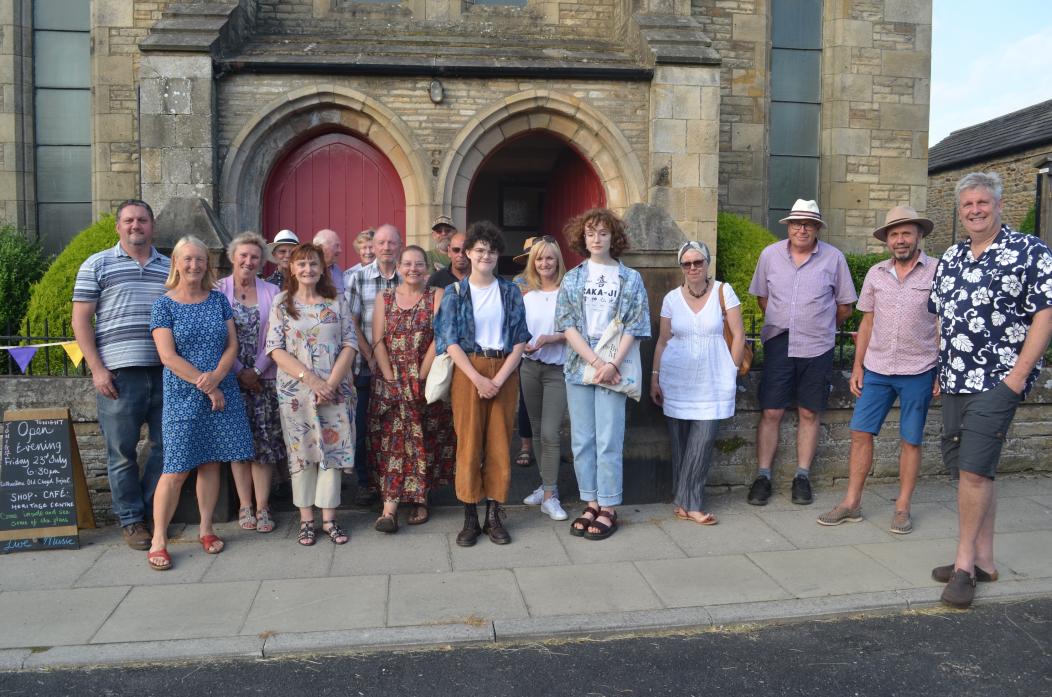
{"points": [[802, 300]]}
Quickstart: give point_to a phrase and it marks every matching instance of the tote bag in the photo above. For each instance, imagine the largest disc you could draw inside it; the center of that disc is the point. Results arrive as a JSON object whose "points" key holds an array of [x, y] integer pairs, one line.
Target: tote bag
{"points": [[631, 383], [440, 377]]}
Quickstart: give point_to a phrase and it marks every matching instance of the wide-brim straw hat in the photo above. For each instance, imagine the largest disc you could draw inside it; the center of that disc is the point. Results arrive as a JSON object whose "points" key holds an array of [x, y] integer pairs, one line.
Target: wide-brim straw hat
{"points": [[527, 246], [804, 210], [899, 215], [283, 237]]}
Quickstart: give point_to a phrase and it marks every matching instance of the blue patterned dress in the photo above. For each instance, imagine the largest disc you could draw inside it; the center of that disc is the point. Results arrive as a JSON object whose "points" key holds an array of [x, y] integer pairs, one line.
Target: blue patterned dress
{"points": [[193, 433]]}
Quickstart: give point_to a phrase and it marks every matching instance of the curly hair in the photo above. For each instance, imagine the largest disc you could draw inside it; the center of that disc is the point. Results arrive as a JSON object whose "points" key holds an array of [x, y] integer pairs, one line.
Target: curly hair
{"points": [[325, 287], [574, 231], [486, 232]]}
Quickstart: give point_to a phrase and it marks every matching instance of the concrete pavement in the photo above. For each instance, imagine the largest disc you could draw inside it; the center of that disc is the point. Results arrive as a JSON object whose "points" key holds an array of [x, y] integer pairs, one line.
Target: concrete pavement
{"points": [[265, 595]]}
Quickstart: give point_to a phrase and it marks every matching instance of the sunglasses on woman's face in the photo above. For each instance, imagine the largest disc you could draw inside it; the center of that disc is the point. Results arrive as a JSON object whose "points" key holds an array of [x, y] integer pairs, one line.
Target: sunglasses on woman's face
{"points": [[696, 264]]}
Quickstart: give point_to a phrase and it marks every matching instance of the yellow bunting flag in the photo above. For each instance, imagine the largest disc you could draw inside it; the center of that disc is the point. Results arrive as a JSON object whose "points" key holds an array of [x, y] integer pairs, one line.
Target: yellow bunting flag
{"points": [[74, 353]]}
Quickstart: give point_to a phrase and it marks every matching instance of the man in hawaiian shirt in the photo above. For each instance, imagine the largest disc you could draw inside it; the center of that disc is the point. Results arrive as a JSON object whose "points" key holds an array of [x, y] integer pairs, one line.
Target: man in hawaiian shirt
{"points": [[992, 293]]}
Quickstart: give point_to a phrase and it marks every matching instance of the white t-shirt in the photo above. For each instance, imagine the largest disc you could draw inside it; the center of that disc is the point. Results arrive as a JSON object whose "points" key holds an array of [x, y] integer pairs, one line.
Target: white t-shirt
{"points": [[489, 315], [540, 319], [600, 298]]}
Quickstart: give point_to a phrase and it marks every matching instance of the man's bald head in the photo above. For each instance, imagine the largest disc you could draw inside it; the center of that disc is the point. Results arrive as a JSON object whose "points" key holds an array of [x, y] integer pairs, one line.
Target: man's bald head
{"points": [[330, 245], [387, 243]]}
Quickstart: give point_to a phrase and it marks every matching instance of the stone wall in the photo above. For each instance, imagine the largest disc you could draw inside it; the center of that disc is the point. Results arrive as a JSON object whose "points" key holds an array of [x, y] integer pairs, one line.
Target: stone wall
{"points": [[647, 469], [1020, 180], [16, 100]]}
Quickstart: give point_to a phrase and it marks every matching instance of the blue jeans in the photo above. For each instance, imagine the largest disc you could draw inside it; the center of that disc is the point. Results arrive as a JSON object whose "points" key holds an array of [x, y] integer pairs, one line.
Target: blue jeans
{"points": [[361, 422], [121, 421], [597, 434]]}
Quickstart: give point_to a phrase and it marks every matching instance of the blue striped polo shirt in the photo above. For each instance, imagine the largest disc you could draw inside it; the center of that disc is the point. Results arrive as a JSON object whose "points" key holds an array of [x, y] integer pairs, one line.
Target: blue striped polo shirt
{"points": [[123, 293]]}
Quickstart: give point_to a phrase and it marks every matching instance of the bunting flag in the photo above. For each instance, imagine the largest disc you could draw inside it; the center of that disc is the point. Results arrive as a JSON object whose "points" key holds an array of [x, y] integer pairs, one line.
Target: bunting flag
{"points": [[74, 353], [22, 355]]}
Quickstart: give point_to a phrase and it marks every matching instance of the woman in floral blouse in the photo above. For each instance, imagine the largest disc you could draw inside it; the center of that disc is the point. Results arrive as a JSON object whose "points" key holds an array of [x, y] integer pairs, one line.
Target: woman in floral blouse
{"points": [[312, 340]]}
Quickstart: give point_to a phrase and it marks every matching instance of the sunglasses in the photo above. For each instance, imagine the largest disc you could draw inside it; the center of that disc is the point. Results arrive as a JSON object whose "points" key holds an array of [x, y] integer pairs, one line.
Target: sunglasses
{"points": [[696, 264], [546, 239], [456, 250]]}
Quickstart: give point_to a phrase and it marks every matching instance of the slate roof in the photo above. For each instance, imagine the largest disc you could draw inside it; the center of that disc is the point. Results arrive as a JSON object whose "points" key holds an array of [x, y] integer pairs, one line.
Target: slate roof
{"points": [[1021, 130]]}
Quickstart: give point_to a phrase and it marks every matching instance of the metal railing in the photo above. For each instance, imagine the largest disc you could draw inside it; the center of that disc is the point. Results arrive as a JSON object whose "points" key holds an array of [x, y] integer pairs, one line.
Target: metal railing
{"points": [[49, 360]]}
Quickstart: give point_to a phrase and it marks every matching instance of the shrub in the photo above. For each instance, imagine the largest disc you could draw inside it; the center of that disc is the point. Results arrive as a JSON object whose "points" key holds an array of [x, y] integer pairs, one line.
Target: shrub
{"points": [[860, 265], [1029, 221], [739, 242], [22, 263], [51, 298]]}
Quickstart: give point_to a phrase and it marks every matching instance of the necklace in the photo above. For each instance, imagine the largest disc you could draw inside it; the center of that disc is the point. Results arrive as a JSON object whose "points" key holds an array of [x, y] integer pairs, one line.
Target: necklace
{"points": [[698, 295]]}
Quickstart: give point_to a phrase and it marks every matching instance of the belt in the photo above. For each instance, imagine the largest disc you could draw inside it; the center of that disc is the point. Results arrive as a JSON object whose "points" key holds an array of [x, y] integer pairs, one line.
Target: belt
{"points": [[490, 353]]}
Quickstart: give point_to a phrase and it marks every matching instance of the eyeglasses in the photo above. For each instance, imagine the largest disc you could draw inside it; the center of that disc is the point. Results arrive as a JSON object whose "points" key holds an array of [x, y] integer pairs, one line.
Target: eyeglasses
{"points": [[485, 252], [806, 226], [696, 264]]}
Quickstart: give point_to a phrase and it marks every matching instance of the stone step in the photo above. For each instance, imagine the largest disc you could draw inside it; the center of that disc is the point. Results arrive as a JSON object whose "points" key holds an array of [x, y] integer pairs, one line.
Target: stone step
{"points": [[200, 9]]}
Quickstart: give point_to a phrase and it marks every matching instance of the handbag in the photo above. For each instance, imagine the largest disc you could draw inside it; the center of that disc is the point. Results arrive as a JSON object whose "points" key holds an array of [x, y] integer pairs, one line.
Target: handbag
{"points": [[631, 370], [440, 377], [746, 363]]}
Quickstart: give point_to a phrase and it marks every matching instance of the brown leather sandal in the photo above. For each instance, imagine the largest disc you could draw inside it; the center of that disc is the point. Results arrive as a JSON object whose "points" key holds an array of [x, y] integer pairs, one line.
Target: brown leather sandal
{"points": [[584, 522]]}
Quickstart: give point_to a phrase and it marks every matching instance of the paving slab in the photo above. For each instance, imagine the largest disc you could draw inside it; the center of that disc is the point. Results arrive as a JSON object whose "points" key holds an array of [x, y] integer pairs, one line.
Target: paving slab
{"points": [[188, 611], [54, 617], [809, 573], [323, 604], [119, 563], [1021, 515], [1025, 553], [146, 651], [634, 540], [800, 528], [247, 558], [12, 659], [468, 597], [530, 546], [370, 639], [373, 553], [925, 492], [932, 520], [806, 608], [1023, 486], [53, 568], [709, 581], [588, 588], [603, 623], [1044, 501], [736, 533], [912, 559]]}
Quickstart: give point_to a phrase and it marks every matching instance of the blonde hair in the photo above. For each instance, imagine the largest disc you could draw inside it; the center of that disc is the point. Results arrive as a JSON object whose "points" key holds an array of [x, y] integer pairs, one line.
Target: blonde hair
{"points": [[530, 276], [364, 236], [208, 281], [247, 237]]}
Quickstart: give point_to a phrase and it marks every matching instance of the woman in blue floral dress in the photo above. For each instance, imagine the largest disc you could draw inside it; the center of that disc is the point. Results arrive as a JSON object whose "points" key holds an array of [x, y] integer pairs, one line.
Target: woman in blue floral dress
{"points": [[204, 421], [312, 340]]}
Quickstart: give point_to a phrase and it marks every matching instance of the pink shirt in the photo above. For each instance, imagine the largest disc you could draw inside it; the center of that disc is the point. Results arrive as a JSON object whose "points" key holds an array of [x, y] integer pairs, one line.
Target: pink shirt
{"points": [[903, 340]]}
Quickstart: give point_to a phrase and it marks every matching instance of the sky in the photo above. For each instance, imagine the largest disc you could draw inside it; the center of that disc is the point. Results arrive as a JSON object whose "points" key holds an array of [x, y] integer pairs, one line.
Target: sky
{"points": [[988, 59]]}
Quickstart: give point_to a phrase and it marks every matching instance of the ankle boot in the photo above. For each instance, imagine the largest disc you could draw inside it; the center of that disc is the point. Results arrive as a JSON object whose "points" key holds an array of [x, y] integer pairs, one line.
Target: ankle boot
{"points": [[494, 527], [471, 531]]}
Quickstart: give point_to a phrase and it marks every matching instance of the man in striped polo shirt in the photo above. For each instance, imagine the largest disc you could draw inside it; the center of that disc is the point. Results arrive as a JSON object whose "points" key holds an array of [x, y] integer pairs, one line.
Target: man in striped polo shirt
{"points": [[116, 287]]}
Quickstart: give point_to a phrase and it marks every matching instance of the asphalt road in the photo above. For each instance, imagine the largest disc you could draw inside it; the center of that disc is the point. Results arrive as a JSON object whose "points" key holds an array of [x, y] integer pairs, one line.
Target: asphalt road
{"points": [[993, 650]]}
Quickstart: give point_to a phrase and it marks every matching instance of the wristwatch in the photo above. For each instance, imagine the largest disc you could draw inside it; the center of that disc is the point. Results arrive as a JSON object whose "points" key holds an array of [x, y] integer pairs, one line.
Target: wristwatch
{"points": [[257, 371]]}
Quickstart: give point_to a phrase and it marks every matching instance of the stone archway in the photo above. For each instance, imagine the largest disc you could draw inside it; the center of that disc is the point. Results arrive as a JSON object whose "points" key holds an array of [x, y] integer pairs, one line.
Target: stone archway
{"points": [[594, 136], [302, 114]]}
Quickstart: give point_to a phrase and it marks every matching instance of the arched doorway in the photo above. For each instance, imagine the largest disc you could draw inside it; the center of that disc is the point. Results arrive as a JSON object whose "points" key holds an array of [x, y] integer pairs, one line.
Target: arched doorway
{"points": [[336, 181], [532, 185]]}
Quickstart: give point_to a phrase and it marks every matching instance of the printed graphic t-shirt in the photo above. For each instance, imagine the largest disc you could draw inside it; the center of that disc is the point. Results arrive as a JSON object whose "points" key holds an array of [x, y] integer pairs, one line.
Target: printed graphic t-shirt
{"points": [[600, 298]]}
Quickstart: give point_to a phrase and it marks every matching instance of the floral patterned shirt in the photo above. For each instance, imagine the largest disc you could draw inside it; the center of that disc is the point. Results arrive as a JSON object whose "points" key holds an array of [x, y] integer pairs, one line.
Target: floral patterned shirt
{"points": [[634, 310], [985, 307]]}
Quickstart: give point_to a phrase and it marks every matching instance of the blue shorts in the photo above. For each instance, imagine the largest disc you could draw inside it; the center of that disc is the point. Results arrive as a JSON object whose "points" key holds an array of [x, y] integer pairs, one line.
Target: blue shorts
{"points": [[878, 395]]}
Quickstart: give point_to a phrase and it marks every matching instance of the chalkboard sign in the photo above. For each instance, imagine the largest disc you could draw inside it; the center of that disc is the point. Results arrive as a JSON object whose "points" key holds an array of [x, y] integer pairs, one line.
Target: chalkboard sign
{"points": [[41, 482]]}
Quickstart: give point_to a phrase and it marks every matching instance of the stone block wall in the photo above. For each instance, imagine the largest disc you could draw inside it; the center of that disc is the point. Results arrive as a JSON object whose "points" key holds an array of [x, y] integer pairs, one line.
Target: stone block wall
{"points": [[16, 100], [1020, 180]]}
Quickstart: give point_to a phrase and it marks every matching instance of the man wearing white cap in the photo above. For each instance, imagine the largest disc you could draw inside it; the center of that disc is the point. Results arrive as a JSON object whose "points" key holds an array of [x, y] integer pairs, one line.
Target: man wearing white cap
{"points": [[279, 251], [896, 352], [804, 288], [442, 230]]}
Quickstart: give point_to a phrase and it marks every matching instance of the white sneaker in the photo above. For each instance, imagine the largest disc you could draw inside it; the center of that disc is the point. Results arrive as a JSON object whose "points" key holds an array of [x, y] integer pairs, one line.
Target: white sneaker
{"points": [[535, 498], [553, 509]]}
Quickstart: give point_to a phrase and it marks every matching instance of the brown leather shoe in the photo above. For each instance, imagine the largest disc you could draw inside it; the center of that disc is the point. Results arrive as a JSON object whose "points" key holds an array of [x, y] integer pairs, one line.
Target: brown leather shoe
{"points": [[469, 534], [137, 536], [960, 590], [943, 574], [494, 527]]}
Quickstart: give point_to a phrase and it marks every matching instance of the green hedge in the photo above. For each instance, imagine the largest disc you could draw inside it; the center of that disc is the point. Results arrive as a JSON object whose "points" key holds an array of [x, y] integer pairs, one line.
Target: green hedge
{"points": [[22, 263], [51, 298], [1029, 221], [860, 265], [739, 242]]}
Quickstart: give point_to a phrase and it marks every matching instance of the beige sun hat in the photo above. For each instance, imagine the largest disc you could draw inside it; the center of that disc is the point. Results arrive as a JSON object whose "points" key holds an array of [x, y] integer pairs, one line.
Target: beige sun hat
{"points": [[804, 210], [283, 237], [527, 246], [899, 215]]}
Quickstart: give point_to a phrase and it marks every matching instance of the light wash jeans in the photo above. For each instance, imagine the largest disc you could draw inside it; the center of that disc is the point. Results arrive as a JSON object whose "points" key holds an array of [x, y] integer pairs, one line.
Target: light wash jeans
{"points": [[597, 434], [140, 392]]}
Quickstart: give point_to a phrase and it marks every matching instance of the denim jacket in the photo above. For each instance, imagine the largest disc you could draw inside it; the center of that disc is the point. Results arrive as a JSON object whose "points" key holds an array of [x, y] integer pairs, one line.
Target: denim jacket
{"points": [[569, 311], [455, 321]]}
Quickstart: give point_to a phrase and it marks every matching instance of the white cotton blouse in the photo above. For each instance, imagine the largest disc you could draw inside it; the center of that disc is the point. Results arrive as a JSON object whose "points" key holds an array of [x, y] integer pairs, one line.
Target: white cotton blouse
{"points": [[540, 319], [698, 378]]}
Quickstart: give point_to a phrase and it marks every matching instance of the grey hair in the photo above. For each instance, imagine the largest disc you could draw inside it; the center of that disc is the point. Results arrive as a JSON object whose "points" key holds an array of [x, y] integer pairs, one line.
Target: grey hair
{"points": [[699, 247], [247, 237], [990, 181]]}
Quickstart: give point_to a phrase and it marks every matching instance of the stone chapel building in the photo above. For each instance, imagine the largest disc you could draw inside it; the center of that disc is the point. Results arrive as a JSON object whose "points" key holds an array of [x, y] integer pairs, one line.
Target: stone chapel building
{"points": [[262, 114]]}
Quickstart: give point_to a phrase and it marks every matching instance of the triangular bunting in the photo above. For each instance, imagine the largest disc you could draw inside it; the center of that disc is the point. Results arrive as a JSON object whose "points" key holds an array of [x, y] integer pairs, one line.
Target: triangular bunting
{"points": [[74, 353], [22, 355]]}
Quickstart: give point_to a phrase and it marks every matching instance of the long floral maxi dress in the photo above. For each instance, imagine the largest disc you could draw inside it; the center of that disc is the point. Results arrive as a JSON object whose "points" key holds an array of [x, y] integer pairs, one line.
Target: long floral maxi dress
{"points": [[411, 443], [262, 407]]}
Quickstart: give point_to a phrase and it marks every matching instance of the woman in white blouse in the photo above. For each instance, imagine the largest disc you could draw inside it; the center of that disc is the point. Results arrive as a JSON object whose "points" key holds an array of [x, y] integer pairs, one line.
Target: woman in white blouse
{"points": [[696, 374]]}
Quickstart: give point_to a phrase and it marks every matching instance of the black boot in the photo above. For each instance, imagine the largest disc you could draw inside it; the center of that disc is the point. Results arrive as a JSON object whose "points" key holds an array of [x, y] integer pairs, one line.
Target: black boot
{"points": [[494, 527], [471, 531]]}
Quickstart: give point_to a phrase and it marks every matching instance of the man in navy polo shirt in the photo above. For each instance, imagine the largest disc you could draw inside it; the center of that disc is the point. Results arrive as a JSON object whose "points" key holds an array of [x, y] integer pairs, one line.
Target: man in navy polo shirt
{"points": [[992, 293], [116, 287]]}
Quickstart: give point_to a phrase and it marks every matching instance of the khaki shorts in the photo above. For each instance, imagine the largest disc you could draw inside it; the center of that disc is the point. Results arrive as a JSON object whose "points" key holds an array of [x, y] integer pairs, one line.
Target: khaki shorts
{"points": [[974, 427]]}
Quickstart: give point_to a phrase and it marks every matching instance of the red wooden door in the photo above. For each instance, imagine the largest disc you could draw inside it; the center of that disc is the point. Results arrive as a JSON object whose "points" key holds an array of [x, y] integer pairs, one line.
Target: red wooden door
{"points": [[335, 181], [572, 189]]}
